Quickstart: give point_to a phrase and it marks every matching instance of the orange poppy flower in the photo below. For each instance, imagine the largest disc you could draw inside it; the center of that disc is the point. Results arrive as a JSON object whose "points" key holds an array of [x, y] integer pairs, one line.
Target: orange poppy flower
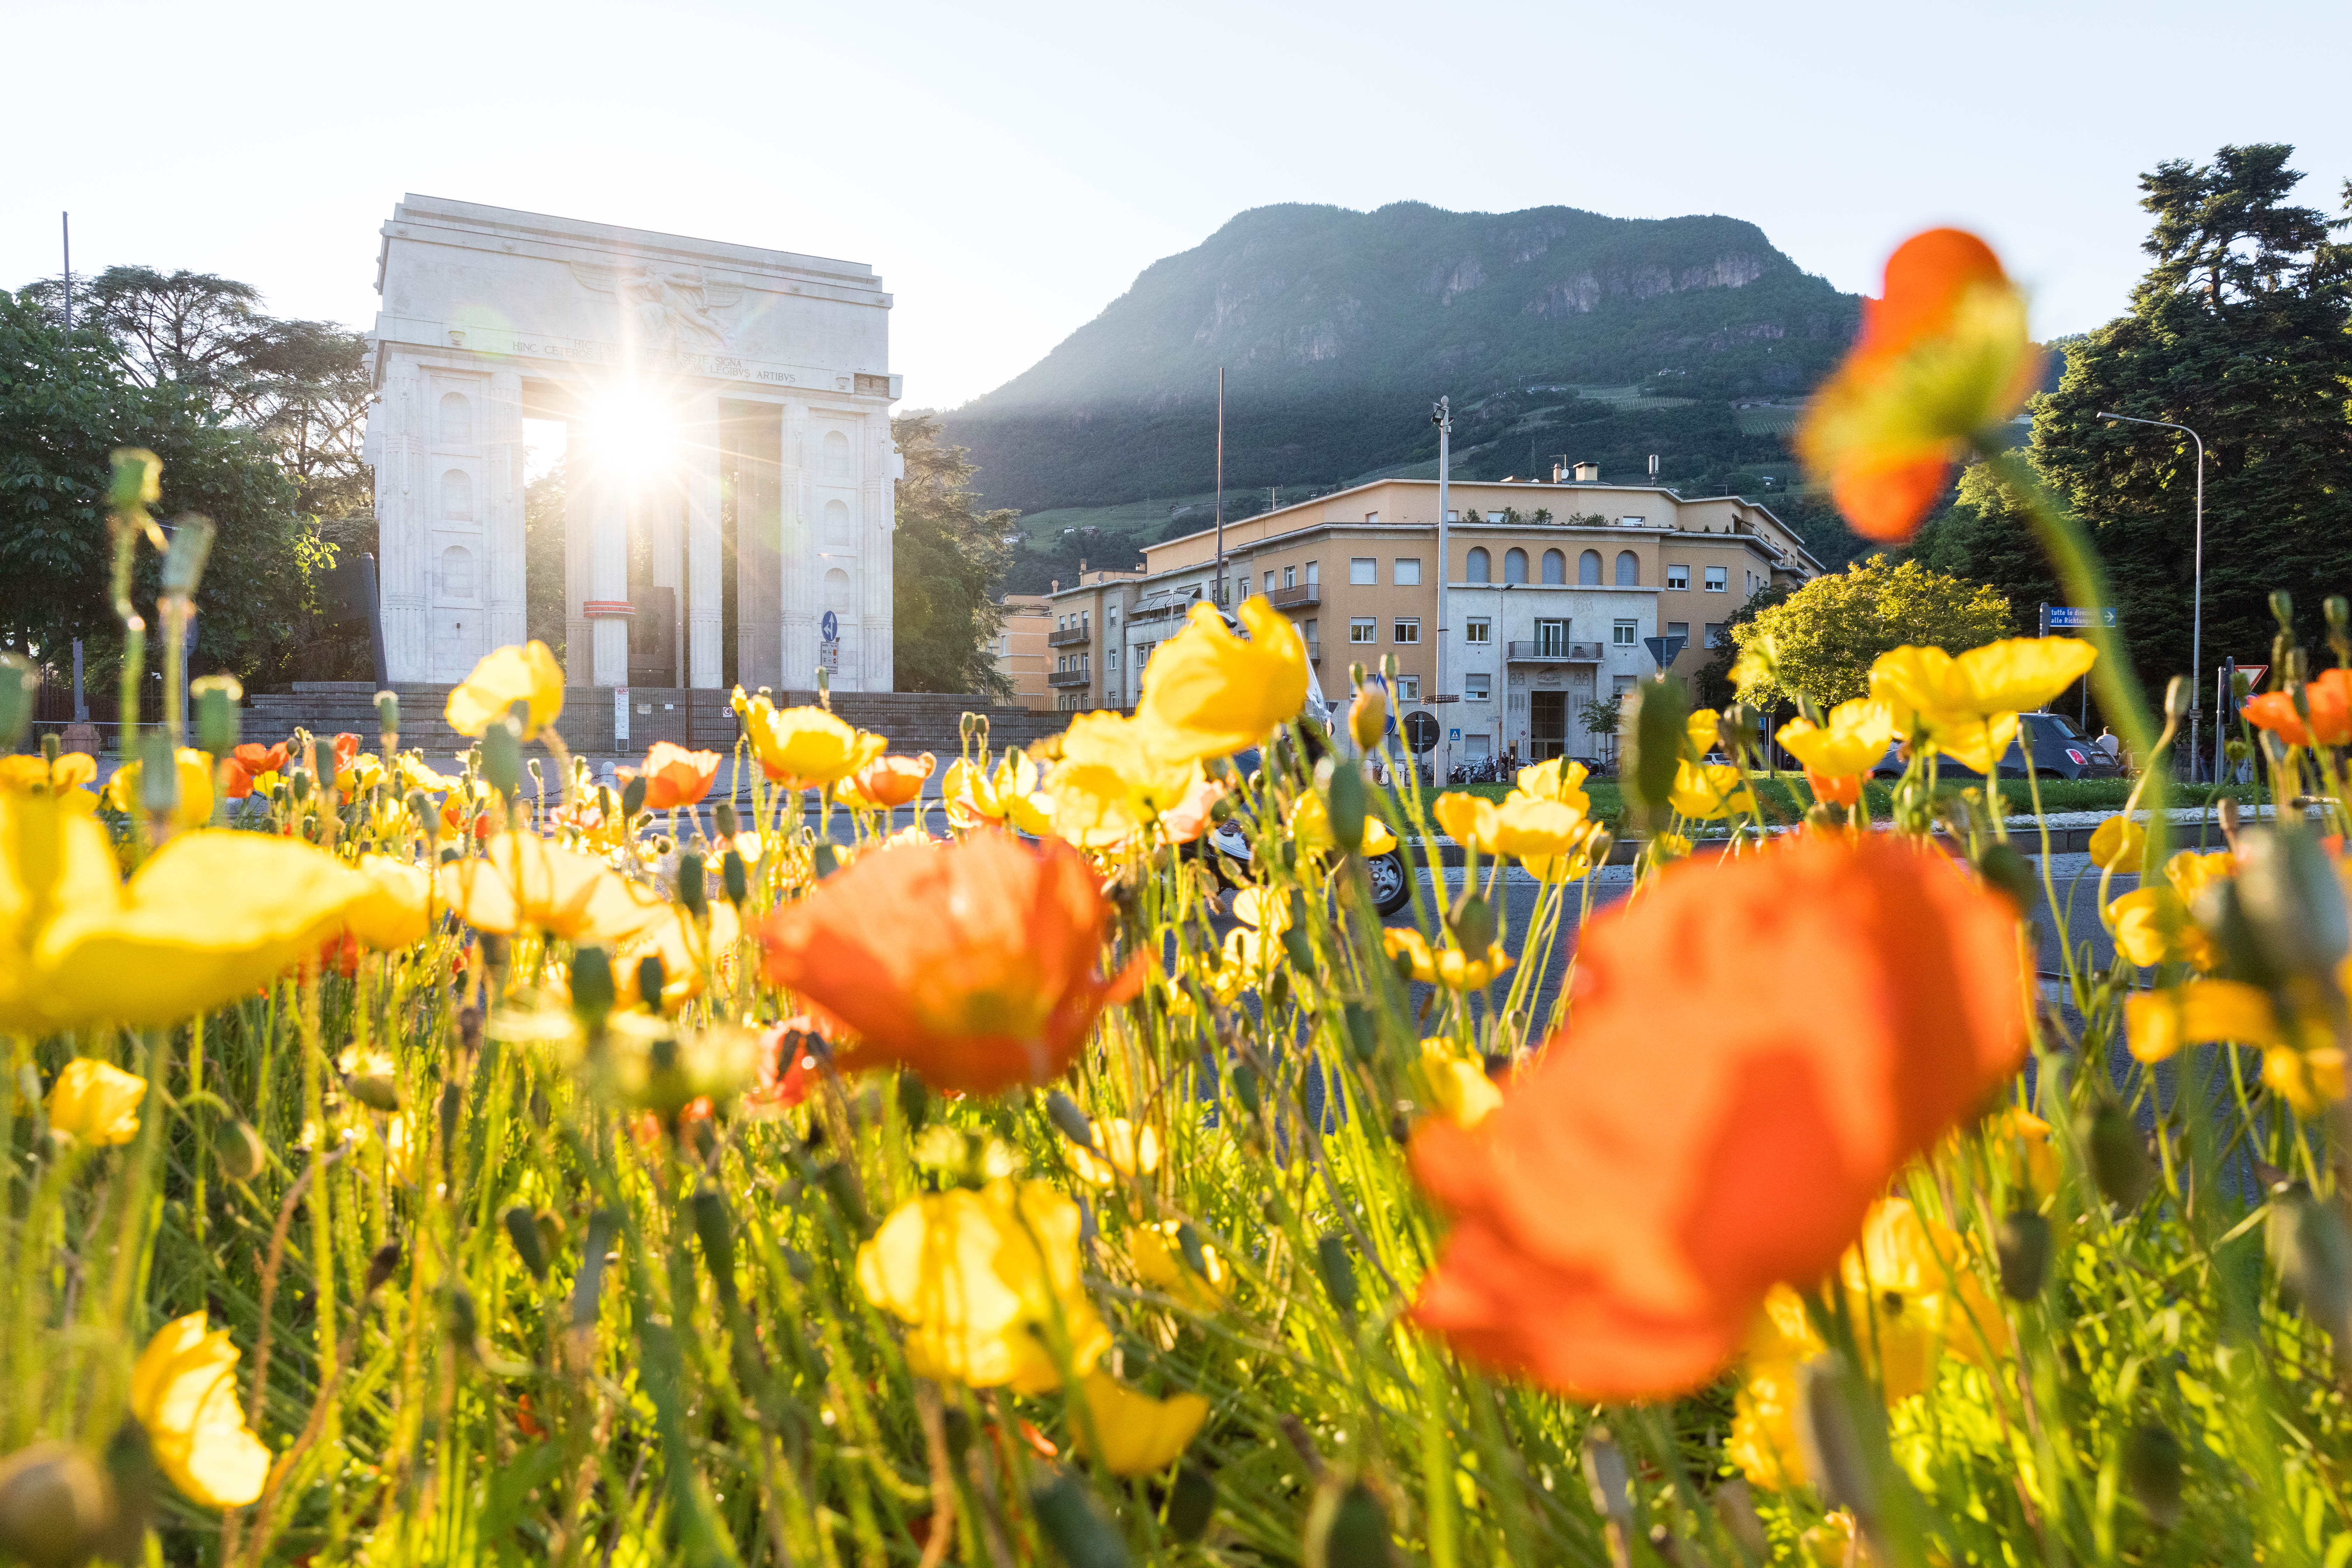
{"points": [[1755, 1046], [1942, 356], [675, 777], [793, 1060], [973, 962], [2329, 696], [889, 780], [250, 761]]}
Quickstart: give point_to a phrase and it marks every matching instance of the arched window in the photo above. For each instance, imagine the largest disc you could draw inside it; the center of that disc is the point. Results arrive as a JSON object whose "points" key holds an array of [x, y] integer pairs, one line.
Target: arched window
{"points": [[1476, 568], [457, 495], [456, 419], [836, 589], [1515, 566], [1555, 566], [837, 522], [1588, 569], [836, 456], [457, 572], [1629, 569]]}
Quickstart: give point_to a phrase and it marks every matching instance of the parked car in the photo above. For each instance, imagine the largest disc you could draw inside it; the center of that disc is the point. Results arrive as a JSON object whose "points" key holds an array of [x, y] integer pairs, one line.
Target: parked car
{"points": [[2061, 751], [1392, 882]]}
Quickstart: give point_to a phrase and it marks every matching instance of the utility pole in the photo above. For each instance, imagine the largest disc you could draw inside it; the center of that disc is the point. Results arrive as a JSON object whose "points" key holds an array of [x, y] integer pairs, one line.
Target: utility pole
{"points": [[1220, 487], [1442, 416]]}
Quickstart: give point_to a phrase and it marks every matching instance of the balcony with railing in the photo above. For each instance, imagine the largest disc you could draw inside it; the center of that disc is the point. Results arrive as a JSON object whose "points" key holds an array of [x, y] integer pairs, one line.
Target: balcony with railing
{"points": [[1551, 650], [1315, 653], [1071, 636], [1304, 596], [1068, 676]]}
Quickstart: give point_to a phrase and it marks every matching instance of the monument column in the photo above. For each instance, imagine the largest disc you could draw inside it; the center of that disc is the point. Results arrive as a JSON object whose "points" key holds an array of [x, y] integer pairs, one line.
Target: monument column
{"points": [[400, 523], [798, 549], [875, 672], [502, 505], [608, 572], [705, 624]]}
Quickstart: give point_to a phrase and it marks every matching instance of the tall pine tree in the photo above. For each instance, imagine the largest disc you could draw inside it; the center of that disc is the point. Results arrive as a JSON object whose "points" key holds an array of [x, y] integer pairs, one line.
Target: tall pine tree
{"points": [[2241, 331]]}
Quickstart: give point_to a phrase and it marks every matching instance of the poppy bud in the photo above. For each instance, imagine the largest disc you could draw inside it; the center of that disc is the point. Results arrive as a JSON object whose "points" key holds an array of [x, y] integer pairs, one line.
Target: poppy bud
{"points": [[387, 713], [653, 979], [1606, 1479], [523, 1229], [1347, 1527], [1842, 1437], [1597, 847], [2311, 1248], [2338, 611], [914, 1102], [502, 757], [18, 680], [1301, 950], [1348, 801], [2118, 1156], [1339, 1273], [633, 798], [1192, 1501], [955, 1426], [138, 482], [1073, 1122], [1738, 726], [1472, 921], [734, 877], [453, 1099], [711, 1230], [218, 723], [2021, 1246], [592, 986], [377, 1091], [1068, 1516], [2152, 1467], [1367, 717], [239, 1154], [54, 1502], [2283, 610], [159, 773], [2180, 700], [1362, 1032], [380, 1264], [1245, 1087], [1652, 732], [602, 1225], [2283, 914], [689, 885], [824, 860], [2006, 872], [840, 1184]]}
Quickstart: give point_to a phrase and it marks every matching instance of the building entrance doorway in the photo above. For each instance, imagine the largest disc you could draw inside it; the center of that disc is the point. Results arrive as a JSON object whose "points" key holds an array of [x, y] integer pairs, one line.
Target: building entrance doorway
{"points": [[1547, 724]]}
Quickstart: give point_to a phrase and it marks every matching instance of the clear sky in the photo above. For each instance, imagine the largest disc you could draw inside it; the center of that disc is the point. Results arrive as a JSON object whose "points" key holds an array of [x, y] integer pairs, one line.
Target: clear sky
{"points": [[1009, 168]]}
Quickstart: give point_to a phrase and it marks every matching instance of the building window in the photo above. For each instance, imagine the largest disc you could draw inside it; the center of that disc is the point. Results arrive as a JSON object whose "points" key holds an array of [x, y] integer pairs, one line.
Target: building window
{"points": [[1515, 566], [1453, 516], [1111, 615], [1717, 636], [1551, 639], [1269, 582], [1625, 633], [1718, 579], [1408, 572], [1678, 629], [1111, 658], [1479, 567], [1408, 688], [1371, 517], [1479, 628], [1314, 574], [1677, 576], [1477, 688], [1588, 569], [1555, 568], [1290, 576], [1363, 629], [1407, 629], [1363, 569], [1629, 569], [1629, 521], [456, 419]]}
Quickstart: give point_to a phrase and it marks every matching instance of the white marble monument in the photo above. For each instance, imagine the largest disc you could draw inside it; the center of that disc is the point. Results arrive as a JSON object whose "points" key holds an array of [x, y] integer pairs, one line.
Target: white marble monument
{"points": [[720, 399]]}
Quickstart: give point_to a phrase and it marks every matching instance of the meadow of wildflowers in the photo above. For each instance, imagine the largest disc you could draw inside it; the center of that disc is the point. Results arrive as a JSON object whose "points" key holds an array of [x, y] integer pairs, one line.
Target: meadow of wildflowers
{"points": [[454, 1160]]}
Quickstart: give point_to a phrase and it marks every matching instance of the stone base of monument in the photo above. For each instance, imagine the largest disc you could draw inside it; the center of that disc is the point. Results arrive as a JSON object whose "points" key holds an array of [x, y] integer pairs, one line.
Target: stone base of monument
{"points": [[700, 717]]}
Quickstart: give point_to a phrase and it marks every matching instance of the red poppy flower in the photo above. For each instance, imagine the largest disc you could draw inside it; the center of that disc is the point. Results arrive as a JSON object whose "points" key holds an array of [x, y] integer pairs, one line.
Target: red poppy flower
{"points": [[1757, 1044], [2329, 697], [675, 777], [973, 962]]}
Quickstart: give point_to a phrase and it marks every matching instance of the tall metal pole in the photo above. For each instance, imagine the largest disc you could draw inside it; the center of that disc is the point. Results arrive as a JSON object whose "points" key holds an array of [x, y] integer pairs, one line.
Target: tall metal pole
{"points": [[65, 228], [2197, 612], [1442, 416], [1220, 487]]}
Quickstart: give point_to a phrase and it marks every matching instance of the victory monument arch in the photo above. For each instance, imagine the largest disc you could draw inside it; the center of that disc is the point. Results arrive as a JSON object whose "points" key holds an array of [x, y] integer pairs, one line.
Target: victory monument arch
{"points": [[728, 413]]}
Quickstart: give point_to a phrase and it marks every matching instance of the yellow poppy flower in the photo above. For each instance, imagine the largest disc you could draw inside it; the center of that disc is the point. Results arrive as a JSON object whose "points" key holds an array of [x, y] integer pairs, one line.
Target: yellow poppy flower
{"points": [[416, 774], [1468, 819], [397, 910], [1855, 739], [96, 1103], [1556, 779], [1459, 1091], [1140, 1434], [2152, 925], [68, 778], [2309, 1080], [522, 882], [1157, 1251], [2118, 845], [807, 748], [1311, 828], [1448, 965], [686, 953], [980, 1278], [1010, 792], [195, 807], [504, 677], [1207, 693], [183, 1396], [1124, 1150], [1538, 829], [1711, 791], [1157, 782], [2157, 1024], [1968, 705], [207, 919]]}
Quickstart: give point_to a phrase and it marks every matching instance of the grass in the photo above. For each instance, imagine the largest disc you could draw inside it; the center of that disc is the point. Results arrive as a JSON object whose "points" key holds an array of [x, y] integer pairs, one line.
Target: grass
{"points": [[1780, 796]]}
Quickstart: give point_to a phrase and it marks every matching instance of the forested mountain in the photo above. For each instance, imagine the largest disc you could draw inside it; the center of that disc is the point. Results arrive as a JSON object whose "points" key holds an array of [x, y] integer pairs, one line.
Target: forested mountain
{"points": [[1338, 328]]}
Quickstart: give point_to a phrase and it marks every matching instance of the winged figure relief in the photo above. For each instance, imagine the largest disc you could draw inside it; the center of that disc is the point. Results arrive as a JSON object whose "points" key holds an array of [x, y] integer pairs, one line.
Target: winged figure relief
{"points": [[664, 309]]}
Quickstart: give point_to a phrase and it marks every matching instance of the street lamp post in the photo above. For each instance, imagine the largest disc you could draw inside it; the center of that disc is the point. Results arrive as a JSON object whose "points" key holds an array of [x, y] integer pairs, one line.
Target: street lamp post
{"points": [[1441, 414], [2197, 612]]}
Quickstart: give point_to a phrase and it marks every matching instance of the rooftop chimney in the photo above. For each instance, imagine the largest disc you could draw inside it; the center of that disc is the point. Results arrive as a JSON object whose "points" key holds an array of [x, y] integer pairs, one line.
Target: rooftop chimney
{"points": [[1056, 586], [1588, 473]]}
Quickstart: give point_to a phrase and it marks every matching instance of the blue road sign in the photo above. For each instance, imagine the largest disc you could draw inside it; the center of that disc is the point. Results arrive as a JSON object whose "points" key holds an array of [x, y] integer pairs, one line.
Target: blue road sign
{"points": [[829, 628], [2067, 617]]}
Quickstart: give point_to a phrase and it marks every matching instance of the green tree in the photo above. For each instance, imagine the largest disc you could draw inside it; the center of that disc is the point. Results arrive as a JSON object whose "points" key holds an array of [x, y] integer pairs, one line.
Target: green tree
{"points": [[947, 557], [2239, 331], [66, 400], [1713, 683], [1824, 636]]}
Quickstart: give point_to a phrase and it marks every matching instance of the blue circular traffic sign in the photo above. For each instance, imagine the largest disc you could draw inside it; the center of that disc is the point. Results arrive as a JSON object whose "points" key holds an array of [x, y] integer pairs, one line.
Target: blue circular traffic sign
{"points": [[830, 627]]}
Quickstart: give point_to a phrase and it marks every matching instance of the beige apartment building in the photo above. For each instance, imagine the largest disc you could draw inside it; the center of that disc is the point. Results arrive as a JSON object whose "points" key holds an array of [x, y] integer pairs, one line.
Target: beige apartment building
{"points": [[1552, 591], [1085, 639], [1023, 656]]}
